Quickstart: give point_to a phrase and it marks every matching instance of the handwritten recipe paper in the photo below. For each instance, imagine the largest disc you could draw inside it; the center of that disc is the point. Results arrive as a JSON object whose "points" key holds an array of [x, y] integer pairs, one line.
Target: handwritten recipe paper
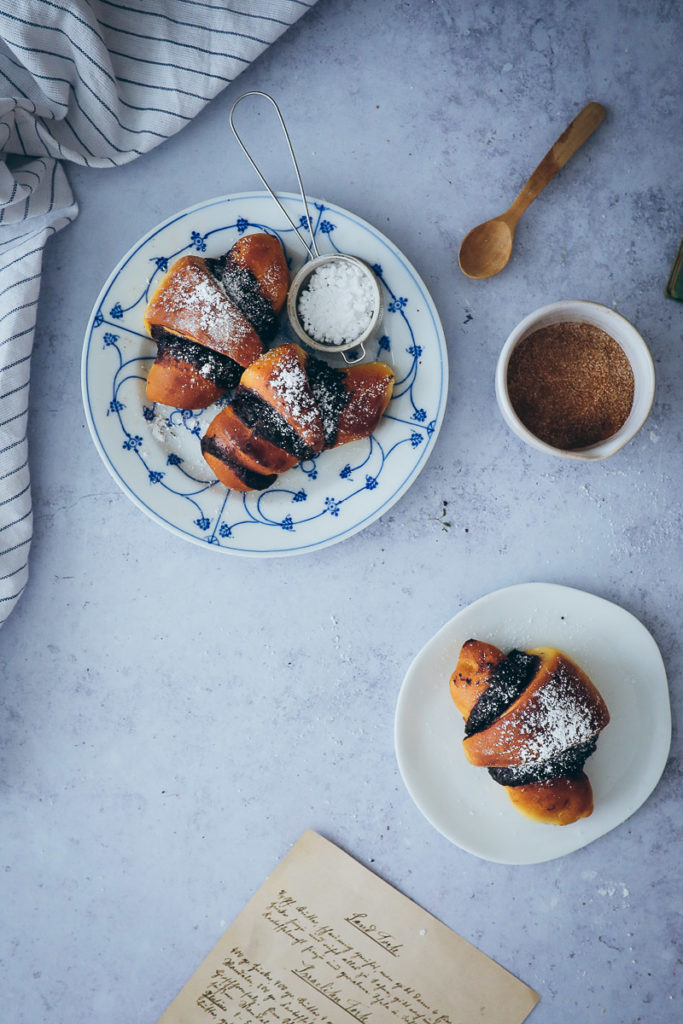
{"points": [[325, 941]]}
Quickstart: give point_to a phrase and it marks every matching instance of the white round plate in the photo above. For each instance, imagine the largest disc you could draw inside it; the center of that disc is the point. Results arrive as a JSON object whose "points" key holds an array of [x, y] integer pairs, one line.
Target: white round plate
{"points": [[153, 451], [620, 656]]}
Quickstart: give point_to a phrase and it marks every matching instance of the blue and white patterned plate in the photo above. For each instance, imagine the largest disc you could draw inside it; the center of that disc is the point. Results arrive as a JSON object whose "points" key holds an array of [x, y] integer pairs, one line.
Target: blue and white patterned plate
{"points": [[153, 451]]}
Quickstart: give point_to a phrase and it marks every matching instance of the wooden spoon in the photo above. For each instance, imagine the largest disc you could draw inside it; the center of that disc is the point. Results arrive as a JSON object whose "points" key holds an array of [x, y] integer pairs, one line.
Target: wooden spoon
{"points": [[488, 247]]}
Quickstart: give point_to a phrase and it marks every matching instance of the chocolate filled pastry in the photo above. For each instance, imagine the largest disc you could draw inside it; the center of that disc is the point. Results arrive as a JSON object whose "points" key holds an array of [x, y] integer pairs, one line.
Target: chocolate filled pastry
{"points": [[291, 406], [533, 719], [211, 318]]}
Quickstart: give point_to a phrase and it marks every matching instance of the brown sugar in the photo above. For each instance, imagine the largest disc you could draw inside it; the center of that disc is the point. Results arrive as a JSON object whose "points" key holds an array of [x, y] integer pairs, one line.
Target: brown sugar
{"points": [[571, 384]]}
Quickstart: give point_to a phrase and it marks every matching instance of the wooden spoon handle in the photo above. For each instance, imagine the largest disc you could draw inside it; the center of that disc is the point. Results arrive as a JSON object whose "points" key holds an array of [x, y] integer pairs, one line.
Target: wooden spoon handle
{"points": [[571, 139]]}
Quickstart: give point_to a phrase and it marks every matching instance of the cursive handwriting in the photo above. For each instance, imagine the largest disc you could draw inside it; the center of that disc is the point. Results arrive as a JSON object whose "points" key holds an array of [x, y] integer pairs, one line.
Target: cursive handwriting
{"points": [[384, 939], [317, 977]]}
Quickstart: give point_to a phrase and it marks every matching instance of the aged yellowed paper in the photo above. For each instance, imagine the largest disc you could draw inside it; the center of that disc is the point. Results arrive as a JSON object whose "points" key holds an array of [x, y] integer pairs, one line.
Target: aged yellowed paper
{"points": [[325, 941]]}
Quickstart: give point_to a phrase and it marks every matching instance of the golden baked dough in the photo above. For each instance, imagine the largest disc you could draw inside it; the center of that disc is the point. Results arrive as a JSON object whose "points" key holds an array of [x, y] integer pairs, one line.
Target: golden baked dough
{"points": [[280, 380], [189, 302], [560, 801], [211, 319], [290, 406], [532, 718], [369, 387]]}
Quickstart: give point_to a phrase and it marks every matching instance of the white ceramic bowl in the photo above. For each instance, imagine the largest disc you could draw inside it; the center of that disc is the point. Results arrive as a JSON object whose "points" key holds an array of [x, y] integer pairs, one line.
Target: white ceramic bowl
{"points": [[623, 332]]}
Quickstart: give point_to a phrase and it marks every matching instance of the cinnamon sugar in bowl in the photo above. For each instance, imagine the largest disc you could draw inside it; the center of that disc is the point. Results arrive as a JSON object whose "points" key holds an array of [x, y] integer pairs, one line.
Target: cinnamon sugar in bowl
{"points": [[575, 379]]}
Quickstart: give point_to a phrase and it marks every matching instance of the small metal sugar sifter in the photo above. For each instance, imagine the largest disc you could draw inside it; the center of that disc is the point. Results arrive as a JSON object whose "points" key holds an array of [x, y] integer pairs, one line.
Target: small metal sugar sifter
{"points": [[353, 351]]}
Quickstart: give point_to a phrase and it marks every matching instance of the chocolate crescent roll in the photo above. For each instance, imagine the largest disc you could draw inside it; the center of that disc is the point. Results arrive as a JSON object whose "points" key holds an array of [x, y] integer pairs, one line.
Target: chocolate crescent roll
{"points": [[211, 318], [290, 406], [532, 718]]}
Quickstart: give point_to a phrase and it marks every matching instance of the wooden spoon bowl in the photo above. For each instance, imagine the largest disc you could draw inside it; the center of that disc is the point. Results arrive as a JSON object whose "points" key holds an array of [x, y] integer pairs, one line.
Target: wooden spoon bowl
{"points": [[486, 249]]}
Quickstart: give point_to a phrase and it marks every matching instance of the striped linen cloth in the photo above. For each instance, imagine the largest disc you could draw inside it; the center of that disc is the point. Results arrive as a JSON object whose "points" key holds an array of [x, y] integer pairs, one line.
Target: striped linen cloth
{"points": [[97, 82]]}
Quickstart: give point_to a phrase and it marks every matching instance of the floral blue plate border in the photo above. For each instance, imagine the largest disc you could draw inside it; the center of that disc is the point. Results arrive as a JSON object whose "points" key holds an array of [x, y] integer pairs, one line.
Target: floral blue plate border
{"points": [[153, 451]]}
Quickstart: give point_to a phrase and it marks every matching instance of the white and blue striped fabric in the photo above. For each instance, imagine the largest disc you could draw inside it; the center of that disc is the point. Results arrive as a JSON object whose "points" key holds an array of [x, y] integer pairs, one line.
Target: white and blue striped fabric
{"points": [[99, 83]]}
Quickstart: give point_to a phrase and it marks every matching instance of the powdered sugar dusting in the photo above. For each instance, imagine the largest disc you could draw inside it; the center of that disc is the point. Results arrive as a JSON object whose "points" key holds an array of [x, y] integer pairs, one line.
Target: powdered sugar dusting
{"points": [[366, 403], [176, 432], [201, 307], [269, 280], [337, 304], [290, 385], [557, 716]]}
